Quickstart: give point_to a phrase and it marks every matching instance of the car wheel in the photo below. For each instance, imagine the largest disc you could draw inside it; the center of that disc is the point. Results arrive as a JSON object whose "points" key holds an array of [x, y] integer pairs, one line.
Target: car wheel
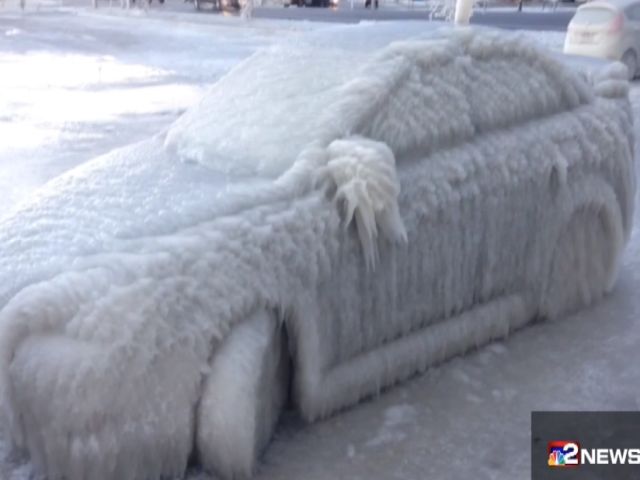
{"points": [[584, 262], [630, 59], [243, 396]]}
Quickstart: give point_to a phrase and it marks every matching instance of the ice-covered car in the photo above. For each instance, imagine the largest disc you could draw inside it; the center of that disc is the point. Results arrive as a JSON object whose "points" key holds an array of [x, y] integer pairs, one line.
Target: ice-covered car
{"points": [[310, 245]]}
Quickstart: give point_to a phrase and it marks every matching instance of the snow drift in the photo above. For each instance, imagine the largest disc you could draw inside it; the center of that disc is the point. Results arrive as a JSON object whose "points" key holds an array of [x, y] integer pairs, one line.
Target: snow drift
{"points": [[502, 181]]}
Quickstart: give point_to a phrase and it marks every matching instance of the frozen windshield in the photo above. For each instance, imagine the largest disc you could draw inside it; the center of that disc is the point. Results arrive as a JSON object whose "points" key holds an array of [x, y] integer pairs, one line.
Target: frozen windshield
{"points": [[256, 120]]}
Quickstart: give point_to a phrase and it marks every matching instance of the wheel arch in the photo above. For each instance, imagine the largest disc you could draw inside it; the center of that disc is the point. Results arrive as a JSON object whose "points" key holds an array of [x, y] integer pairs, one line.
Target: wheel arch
{"points": [[303, 340], [591, 195]]}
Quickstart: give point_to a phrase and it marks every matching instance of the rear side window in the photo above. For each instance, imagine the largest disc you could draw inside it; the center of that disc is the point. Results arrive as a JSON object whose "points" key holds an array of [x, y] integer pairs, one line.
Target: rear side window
{"points": [[593, 16]]}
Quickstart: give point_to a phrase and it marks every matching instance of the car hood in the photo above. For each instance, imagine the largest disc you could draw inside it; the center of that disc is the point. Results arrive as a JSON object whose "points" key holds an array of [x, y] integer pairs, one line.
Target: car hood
{"points": [[129, 195]]}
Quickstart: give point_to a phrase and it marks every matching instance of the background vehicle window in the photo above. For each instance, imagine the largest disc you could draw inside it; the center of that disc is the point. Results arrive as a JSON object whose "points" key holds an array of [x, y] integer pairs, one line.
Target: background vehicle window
{"points": [[593, 15]]}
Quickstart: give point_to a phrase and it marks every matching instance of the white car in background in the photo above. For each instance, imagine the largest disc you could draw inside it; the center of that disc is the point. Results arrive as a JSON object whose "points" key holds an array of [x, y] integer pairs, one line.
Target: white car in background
{"points": [[324, 224], [607, 29]]}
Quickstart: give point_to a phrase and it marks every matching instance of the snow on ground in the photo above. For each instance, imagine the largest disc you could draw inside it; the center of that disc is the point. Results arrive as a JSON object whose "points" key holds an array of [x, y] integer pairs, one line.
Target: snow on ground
{"points": [[74, 85]]}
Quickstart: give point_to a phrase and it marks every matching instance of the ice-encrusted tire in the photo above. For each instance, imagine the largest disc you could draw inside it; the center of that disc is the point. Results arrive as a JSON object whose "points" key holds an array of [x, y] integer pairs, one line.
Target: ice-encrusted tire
{"points": [[243, 395], [78, 421], [584, 261]]}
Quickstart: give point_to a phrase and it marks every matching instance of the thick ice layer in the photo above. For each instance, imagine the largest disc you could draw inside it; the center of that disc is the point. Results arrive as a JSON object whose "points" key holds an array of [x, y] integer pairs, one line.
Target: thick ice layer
{"points": [[364, 172], [120, 280], [257, 119]]}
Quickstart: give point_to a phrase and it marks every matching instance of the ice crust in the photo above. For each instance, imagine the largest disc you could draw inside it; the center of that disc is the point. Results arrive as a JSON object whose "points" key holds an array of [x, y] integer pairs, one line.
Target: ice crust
{"points": [[364, 172], [121, 278]]}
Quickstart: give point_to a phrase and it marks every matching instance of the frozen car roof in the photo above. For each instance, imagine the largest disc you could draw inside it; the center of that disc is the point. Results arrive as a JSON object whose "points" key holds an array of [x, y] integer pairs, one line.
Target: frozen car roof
{"points": [[415, 95]]}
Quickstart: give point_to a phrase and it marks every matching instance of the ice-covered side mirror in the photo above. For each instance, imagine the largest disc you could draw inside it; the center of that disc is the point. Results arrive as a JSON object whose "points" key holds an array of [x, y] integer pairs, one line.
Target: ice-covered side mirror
{"points": [[364, 173]]}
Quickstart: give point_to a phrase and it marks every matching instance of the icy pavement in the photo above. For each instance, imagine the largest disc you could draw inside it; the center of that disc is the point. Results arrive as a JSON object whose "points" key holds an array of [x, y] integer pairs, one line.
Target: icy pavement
{"points": [[73, 86]]}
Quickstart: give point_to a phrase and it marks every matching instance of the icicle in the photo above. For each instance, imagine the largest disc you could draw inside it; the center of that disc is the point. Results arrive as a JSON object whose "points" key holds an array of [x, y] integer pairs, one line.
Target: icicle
{"points": [[364, 172]]}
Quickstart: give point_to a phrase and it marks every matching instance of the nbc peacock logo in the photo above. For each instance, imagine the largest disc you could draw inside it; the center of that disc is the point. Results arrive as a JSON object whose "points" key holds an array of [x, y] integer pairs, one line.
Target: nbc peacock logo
{"points": [[563, 454]]}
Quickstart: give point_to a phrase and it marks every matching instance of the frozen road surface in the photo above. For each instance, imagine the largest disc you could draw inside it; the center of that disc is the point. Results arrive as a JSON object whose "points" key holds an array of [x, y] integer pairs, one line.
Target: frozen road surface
{"points": [[75, 84]]}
